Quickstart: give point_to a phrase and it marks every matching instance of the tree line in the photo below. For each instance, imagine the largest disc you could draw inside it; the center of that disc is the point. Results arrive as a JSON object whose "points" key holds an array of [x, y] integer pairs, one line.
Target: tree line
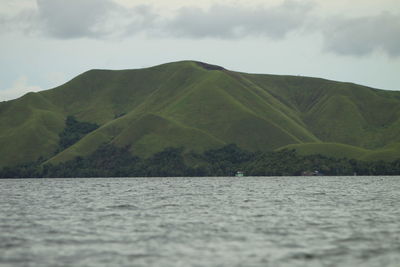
{"points": [[113, 161]]}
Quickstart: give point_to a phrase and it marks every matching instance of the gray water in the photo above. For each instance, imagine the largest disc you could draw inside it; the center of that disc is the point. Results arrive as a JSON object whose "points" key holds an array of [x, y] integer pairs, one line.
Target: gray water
{"points": [[264, 221]]}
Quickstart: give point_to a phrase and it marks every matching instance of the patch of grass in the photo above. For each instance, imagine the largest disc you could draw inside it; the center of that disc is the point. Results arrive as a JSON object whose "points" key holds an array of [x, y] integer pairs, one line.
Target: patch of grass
{"points": [[388, 153], [329, 149]]}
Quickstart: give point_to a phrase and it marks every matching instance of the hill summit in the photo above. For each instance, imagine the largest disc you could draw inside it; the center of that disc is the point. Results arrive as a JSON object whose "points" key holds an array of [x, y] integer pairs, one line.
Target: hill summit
{"points": [[199, 106]]}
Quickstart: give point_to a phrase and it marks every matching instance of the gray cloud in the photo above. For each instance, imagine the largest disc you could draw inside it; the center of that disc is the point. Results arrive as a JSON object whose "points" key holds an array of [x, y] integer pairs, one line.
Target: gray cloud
{"points": [[93, 18], [141, 19], [103, 18], [80, 19], [74, 19], [362, 36], [106, 19], [227, 21]]}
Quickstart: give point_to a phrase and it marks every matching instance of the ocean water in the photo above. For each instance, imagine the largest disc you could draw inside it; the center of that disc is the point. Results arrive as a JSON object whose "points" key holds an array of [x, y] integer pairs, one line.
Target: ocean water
{"points": [[249, 221]]}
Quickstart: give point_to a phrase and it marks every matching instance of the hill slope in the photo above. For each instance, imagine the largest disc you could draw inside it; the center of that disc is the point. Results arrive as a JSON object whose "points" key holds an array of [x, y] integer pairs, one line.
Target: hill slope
{"points": [[199, 106]]}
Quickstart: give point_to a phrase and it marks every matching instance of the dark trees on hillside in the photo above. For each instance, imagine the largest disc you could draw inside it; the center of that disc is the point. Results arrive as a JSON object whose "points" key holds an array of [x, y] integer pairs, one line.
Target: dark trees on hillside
{"points": [[74, 131], [112, 161]]}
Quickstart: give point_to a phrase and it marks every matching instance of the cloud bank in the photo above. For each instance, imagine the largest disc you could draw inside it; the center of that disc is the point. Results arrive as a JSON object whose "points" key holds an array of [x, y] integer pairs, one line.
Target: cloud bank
{"points": [[105, 19], [224, 21], [92, 19]]}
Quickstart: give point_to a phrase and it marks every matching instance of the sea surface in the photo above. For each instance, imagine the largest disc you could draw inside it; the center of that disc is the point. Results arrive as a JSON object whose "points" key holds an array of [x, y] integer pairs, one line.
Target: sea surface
{"points": [[247, 221]]}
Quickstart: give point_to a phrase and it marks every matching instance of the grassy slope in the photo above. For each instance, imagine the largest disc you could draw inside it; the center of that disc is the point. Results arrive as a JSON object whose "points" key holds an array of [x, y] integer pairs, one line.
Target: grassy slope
{"points": [[198, 113], [29, 129], [185, 104], [329, 149], [388, 153]]}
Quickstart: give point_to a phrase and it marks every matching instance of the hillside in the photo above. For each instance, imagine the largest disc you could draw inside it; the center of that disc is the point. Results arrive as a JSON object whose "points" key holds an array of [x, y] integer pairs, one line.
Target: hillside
{"points": [[335, 150], [200, 106]]}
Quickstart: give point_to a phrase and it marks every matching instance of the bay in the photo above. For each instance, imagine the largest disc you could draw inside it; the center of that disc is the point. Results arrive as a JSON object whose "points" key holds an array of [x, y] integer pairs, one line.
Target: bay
{"points": [[224, 221]]}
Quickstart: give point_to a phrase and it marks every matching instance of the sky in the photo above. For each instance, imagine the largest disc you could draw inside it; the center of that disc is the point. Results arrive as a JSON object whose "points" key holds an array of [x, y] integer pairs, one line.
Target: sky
{"points": [[45, 43]]}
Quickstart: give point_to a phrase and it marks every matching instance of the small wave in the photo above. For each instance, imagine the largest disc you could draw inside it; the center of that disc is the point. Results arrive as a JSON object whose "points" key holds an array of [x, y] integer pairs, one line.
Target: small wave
{"points": [[13, 242], [110, 215], [308, 256], [317, 194], [141, 255], [304, 256], [123, 207], [165, 206], [355, 239]]}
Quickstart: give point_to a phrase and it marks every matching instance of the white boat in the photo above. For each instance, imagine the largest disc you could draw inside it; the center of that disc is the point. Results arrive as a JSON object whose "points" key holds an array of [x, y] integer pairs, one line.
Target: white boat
{"points": [[239, 174]]}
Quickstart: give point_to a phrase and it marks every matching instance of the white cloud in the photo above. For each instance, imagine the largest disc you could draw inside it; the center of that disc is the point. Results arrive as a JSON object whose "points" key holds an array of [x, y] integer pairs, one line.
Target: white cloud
{"points": [[18, 89]]}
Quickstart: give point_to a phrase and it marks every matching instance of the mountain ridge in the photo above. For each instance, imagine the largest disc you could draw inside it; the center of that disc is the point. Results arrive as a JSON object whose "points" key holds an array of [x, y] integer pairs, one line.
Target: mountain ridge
{"points": [[199, 106]]}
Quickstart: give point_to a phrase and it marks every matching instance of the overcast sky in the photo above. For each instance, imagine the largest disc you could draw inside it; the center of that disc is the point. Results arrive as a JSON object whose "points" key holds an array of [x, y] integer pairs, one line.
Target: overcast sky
{"points": [[45, 43]]}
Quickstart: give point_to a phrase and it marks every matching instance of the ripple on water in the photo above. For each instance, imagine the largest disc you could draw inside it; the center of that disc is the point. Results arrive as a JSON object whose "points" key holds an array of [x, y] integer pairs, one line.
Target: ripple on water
{"points": [[279, 221], [123, 207]]}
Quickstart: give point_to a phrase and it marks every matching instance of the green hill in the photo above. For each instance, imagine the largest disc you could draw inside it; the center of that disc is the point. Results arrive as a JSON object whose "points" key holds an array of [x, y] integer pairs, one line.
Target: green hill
{"points": [[200, 106]]}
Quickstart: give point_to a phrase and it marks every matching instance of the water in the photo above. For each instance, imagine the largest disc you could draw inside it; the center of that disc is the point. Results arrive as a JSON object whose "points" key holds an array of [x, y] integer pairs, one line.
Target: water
{"points": [[275, 221]]}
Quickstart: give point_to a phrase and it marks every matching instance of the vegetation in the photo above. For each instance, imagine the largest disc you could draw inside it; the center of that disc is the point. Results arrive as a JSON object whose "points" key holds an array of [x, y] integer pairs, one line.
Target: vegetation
{"points": [[199, 107], [112, 161], [388, 153], [74, 131]]}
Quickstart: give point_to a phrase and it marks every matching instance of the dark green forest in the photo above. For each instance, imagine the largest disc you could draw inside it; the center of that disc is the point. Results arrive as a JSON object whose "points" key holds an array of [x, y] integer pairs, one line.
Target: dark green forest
{"points": [[74, 130], [112, 161]]}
